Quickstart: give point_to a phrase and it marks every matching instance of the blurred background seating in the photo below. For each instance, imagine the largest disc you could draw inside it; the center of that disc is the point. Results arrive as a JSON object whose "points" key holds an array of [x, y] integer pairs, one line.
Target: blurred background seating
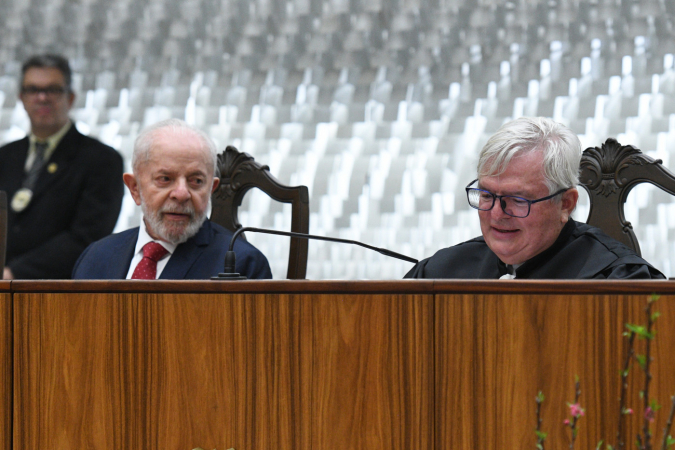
{"points": [[379, 107]]}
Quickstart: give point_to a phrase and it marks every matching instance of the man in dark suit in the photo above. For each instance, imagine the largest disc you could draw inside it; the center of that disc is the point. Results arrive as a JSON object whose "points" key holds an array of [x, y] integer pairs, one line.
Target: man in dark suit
{"points": [[173, 178], [64, 188]]}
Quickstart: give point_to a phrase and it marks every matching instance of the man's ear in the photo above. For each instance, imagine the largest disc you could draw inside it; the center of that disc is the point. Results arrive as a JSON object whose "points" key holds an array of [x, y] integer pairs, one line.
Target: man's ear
{"points": [[71, 99], [216, 183], [132, 184], [568, 203]]}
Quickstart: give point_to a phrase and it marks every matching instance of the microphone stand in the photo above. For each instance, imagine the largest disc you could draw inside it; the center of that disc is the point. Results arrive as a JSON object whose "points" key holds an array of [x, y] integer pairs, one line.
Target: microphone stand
{"points": [[230, 274]]}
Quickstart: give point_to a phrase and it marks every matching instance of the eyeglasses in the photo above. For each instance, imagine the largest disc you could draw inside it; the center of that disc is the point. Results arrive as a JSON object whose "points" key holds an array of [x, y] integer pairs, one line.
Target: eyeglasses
{"points": [[514, 206], [49, 91]]}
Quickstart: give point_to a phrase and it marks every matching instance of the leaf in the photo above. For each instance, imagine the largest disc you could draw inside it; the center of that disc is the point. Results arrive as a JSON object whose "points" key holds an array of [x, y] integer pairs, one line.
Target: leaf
{"points": [[655, 406], [653, 298], [640, 330], [642, 394], [655, 316], [633, 328], [598, 446], [609, 447], [670, 441], [642, 361], [540, 447], [540, 397], [541, 435]]}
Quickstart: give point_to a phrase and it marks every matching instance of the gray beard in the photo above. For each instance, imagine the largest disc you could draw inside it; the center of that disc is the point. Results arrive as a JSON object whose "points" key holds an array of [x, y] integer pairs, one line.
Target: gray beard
{"points": [[154, 221]]}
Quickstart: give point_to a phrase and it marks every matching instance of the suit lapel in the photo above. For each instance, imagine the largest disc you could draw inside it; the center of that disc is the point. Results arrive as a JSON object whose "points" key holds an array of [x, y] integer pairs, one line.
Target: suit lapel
{"points": [[59, 162], [187, 254], [13, 167], [121, 254]]}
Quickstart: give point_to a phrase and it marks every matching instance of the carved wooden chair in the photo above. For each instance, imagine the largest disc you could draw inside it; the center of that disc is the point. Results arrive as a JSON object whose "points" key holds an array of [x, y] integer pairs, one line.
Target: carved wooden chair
{"points": [[3, 229], [608, 174], [238, 174]]}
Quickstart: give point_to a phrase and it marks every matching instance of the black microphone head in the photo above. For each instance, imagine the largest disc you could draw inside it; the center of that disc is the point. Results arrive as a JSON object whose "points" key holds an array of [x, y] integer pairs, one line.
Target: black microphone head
{"points": [[229, 273], [230, 261]]}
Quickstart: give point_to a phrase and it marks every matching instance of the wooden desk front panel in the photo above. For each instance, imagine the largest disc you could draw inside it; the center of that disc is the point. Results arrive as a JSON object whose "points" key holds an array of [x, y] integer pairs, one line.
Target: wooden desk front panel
{"points": [[6, 362], [496, 352], [249, 371]]}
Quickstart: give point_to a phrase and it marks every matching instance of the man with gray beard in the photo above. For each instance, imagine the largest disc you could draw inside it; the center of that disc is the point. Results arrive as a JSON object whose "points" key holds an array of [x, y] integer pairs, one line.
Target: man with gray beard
{"points": [[172, 180]]}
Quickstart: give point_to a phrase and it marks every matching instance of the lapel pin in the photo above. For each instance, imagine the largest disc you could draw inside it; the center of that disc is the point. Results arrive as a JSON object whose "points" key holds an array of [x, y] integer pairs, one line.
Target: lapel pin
{"points": [[51, 168]]}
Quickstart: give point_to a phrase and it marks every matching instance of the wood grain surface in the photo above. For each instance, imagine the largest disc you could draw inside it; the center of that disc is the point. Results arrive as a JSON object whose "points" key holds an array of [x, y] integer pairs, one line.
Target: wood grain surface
{"points": [[6, 368], [350, 287], [177, 371], [494, 353], [372, 383], [323, 365]]}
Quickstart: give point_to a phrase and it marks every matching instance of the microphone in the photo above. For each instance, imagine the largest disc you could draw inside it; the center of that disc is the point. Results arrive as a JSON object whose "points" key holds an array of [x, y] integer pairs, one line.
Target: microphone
{"points": [[230, 274]]}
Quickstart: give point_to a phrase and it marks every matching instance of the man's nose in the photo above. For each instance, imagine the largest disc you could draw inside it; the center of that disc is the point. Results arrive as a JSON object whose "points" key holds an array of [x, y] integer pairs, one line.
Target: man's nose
{"points": [[180, 191], [497, 210]]}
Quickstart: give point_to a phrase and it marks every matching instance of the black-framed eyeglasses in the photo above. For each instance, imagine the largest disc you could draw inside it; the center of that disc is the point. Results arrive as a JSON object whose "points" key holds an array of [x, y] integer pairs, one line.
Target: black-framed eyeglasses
{"points": [[512, 205], [48, 91]]}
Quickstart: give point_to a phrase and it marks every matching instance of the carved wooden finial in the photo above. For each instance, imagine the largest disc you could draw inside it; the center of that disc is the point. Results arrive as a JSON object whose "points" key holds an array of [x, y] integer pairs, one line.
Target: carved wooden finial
{"points": [[601, 166], [231, 163]]}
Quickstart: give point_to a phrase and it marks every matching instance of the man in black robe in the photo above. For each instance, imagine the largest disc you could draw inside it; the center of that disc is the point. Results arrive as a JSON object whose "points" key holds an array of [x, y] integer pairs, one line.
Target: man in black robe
{"points": [[525, 193]]}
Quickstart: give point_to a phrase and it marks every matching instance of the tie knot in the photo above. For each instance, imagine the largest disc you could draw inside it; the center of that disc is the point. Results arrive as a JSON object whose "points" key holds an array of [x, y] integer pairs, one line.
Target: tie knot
{"points": [[40, 147], [154, 251]]}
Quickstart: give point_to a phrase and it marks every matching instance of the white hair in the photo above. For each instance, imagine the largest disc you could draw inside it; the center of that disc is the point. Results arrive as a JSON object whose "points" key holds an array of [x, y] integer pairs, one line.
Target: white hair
{"points": [[560, 146], [146, 138]]}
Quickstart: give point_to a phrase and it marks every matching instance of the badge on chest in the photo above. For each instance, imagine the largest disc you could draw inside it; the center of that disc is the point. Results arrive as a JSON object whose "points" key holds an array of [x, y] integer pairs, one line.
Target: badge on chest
{"points": [[21, 199]]}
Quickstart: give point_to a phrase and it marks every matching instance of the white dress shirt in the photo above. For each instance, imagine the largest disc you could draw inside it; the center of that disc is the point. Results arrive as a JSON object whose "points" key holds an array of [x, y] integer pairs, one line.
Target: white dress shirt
{"points": [[144, 238]]}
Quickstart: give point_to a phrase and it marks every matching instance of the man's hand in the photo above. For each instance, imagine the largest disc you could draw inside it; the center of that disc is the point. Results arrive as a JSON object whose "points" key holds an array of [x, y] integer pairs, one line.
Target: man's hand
{"points": [[7, 274]]}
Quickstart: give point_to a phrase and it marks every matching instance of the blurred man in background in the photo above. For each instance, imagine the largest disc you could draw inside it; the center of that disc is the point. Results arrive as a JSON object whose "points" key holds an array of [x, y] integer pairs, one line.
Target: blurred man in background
{"points": [[64, 189]]}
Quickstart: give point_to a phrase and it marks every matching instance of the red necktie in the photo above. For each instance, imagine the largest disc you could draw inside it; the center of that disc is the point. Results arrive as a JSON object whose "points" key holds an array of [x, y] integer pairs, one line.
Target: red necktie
{"points": [[147, 267]]}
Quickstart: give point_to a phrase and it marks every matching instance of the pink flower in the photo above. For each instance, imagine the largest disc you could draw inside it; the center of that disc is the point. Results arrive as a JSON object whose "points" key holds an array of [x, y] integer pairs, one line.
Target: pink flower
{"points": [[566, 421], [576, 410], [628, 411], [649, 414]]}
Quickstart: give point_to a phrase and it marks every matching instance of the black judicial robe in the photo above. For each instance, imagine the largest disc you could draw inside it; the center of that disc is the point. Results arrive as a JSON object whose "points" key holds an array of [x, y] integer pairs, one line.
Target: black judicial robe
{"points": [[580, 252]]}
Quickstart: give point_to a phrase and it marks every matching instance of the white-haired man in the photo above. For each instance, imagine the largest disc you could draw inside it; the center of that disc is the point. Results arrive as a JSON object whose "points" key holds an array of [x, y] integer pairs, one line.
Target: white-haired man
{"points": [[173, 177], [525, 194]]}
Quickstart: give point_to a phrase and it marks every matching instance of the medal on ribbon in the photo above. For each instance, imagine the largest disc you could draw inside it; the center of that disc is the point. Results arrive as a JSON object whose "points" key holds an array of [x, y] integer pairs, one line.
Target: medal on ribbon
{"points": [[21, 199]]}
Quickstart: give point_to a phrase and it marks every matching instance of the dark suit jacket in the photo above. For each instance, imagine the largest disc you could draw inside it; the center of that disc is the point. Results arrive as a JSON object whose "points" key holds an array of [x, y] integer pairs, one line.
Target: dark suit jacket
{"points": [[201, 257], [580, 252], [72, 207]]}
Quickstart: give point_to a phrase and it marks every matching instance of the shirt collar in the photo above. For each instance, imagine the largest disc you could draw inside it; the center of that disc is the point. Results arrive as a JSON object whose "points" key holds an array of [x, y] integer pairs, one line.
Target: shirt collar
{"points": [[144, 238], [53, 140]]}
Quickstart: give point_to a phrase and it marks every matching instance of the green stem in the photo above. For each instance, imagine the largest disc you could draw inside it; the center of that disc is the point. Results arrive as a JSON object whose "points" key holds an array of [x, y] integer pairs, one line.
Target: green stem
{"points": [[648, 377], [624, 388], [666, 430], [577, 394]]}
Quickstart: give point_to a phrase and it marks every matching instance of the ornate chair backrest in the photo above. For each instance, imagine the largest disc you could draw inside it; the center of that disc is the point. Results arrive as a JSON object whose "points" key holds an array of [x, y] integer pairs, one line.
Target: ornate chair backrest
{"points": [[3, 228], [238, 174], [608, 174]]}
